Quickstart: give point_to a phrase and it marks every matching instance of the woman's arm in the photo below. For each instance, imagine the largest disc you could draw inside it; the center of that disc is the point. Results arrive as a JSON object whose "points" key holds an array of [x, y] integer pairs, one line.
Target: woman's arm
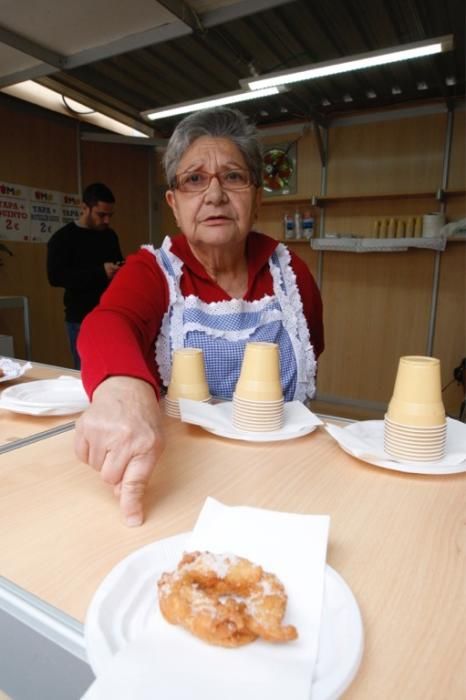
{"points": [[117, 338], [120, 434]]}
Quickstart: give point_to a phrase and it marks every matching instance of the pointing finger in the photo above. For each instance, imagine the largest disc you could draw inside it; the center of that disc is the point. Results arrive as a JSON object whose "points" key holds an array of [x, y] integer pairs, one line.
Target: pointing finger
{"points": [[132, 489]]}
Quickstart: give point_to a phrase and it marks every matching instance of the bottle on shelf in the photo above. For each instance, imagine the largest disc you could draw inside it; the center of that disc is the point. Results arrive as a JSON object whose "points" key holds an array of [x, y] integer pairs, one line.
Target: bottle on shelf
{"points": [[308, 225], [288, 226], [298, 224]]}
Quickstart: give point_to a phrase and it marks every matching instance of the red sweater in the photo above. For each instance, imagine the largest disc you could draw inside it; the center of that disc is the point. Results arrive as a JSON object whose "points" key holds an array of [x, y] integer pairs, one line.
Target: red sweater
{"points": [[118, 336]]}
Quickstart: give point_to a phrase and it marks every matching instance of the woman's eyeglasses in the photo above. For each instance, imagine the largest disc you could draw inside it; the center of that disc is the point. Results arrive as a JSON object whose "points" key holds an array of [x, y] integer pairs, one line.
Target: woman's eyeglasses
{"points": [[199, 180]]}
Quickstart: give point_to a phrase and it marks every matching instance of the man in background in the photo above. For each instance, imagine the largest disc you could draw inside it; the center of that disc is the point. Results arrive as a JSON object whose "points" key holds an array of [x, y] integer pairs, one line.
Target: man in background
{"points": [[82, 257]]}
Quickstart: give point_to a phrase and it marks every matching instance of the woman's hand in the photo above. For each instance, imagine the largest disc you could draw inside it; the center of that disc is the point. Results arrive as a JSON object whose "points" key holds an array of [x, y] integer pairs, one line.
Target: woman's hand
{"points": [[120, 435]]}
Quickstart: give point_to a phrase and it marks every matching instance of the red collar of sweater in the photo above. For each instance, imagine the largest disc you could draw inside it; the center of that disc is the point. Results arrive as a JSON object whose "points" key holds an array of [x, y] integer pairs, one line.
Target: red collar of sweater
{"points": [[259, 248]]}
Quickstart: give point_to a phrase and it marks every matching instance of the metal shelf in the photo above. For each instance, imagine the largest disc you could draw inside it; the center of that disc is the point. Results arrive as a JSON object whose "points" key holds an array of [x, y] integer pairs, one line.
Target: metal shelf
{"points": [[323, 200], [370, 245]]}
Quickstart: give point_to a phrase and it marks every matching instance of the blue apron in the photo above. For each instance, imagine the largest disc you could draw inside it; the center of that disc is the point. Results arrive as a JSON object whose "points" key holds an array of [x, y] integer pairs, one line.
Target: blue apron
{"points": [[221, 329]]}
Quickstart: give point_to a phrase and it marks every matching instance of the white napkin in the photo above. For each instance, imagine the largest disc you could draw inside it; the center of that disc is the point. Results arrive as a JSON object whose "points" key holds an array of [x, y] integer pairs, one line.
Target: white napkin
{"points": [[167, 663], [365, 439], [12, 369], [219, 416]]}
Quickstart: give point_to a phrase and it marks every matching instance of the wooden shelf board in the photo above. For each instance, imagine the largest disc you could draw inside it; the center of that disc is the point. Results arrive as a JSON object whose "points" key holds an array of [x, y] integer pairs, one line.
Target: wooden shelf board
{"points": [[267, 201], [455, 193], [382, 195]]}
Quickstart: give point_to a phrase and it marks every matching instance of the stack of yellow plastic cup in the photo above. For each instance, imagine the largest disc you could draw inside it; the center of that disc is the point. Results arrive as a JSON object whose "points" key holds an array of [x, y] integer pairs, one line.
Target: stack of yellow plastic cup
{"points": [[187, 381], [258, 397], [415, 428]]}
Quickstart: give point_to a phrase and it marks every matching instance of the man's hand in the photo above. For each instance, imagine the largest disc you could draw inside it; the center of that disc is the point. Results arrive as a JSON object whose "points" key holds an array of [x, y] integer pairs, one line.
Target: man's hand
{"points": [[120, 436]]}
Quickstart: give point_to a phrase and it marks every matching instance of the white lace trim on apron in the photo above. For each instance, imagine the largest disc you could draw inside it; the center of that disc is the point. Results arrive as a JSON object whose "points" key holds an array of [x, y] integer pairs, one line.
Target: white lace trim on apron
{"points": [[295, 322]]}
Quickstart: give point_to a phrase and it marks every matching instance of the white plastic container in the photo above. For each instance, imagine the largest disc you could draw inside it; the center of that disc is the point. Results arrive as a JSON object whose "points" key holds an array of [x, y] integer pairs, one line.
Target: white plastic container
{"points": [[308, 225], [288, 226], [432, 224]]}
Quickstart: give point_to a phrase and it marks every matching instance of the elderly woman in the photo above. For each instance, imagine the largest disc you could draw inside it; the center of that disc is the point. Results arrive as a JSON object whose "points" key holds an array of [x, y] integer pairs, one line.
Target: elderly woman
{"points": [[215, 286]]}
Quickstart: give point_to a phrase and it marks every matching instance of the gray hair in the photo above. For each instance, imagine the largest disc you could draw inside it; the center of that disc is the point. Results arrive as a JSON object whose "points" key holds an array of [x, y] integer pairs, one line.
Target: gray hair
{"points": [[218, 122]]}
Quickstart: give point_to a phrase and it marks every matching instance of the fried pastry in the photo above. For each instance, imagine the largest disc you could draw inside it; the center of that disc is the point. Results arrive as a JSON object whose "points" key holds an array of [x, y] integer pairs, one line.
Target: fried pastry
{"points": [[225, 600]]}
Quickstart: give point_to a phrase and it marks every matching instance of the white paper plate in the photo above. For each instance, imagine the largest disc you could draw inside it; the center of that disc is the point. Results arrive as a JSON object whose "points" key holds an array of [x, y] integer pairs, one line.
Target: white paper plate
{"points": [[124, 604], [291, 428], [372, 432], [46, 397]]}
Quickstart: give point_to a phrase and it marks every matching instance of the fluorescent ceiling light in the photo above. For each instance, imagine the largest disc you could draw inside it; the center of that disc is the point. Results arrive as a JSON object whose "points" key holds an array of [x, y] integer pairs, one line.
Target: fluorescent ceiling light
{"points": [[45, 97], [404, 52], [226, 98]]}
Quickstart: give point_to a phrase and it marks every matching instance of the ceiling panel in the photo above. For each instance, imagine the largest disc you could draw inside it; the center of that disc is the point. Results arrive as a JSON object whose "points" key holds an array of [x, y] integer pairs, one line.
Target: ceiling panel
{"points": [[145, 54], [69, 28], [12, 60]]}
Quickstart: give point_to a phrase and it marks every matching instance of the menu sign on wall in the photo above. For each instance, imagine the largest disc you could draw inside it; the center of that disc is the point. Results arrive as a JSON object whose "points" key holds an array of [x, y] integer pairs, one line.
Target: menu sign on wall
{"points": [[45, 214], [31, 214], [70, 208], [14, 212]]}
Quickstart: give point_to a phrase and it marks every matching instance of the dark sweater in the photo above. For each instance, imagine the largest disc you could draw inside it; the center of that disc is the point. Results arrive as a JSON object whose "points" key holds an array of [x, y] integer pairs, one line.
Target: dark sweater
{"points": [[75, 261]]}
